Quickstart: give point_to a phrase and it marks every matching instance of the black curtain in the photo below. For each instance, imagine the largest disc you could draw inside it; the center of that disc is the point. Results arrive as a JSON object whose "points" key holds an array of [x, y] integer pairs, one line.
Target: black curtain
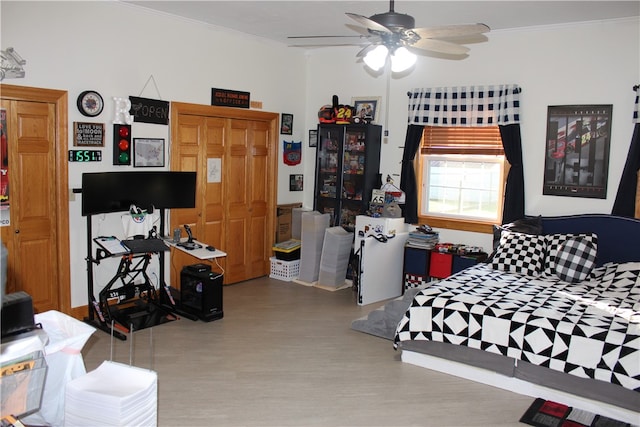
{"points": [[408, 174], [514, 192], [626, 197]]}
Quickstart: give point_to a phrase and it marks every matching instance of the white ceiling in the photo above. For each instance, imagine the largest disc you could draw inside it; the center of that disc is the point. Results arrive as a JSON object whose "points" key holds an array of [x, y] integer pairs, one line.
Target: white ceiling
{"points": [[276, 20]]}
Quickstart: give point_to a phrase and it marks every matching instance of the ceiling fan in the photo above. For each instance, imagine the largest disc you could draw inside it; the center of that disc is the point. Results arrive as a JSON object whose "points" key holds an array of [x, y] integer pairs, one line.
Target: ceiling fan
{"points": [[394, 34]]}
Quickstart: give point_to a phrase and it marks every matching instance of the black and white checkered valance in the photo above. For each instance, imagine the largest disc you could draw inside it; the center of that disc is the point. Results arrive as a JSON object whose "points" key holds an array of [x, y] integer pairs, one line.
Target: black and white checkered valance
{"points": [[465, 106]]}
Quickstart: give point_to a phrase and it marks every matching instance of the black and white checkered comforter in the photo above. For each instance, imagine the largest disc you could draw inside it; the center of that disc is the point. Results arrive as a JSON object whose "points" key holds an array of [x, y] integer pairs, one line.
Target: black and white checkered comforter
{"points": [[589, 329]]}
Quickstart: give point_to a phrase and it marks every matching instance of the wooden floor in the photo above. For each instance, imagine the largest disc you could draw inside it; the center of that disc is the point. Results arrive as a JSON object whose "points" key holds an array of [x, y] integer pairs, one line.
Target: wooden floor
{"points": [[284, 355]]}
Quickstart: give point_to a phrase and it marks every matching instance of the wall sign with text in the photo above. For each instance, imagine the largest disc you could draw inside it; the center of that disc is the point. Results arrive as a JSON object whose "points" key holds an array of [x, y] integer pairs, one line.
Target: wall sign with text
{"points": [[88, 134], [145, 110], [230, 98]]}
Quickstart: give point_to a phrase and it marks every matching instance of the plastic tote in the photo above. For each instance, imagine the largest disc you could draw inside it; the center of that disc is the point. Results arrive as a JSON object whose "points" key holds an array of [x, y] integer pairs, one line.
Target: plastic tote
{"points": [[63, 355]]}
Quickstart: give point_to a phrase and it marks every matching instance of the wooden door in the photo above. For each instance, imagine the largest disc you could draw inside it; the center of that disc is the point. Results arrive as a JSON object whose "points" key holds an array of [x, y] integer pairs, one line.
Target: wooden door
{"points": [[247, 200], [37, 234], [201, 138], [260, 188], [235, 209]]}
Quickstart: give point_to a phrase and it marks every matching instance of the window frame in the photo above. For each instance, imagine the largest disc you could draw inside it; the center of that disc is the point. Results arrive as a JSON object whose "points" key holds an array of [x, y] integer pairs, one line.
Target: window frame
{"points": [[474, 225]]}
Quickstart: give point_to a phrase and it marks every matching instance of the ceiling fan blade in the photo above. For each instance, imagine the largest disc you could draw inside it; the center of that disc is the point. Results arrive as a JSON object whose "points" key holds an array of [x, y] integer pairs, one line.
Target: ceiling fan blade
{"points": [[371, 25], [358, 29], [327, 44], [451, 31], [440, 46], [324, 37]]}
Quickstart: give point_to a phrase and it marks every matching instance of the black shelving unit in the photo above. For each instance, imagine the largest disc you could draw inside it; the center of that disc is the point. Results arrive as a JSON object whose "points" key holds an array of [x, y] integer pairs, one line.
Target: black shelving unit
{"points": [[347, 170]]}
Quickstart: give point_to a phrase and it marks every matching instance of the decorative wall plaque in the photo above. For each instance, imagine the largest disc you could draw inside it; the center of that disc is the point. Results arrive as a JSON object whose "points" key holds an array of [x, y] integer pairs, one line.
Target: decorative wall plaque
{"points": [[88, 134], [230, 98]]}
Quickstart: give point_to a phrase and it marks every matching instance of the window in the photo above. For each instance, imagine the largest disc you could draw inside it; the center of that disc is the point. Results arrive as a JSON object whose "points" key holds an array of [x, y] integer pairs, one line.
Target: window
{"points": [[461, 176]]}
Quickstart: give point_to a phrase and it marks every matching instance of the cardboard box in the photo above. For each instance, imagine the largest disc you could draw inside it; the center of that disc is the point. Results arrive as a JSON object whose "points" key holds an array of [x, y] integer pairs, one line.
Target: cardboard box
{"points": [[285, 218]]}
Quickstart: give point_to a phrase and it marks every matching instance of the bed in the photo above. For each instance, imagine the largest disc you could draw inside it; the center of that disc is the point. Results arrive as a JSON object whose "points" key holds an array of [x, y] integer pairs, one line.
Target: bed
{"points": [[513, 323]]}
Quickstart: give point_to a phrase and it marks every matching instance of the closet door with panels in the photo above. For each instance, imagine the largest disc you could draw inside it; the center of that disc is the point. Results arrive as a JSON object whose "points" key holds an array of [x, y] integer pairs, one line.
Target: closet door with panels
{"points": [[34, 208], [234, 154]]}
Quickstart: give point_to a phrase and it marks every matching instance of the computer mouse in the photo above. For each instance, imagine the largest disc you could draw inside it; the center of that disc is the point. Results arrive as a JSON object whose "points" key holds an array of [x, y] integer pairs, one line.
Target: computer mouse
{"points": [[211, 248]]}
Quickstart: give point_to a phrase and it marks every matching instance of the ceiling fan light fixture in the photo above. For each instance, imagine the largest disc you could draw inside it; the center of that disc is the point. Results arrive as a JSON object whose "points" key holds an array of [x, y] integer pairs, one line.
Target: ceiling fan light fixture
{"points": [[402, 60], [388, 36], [376, 58]]}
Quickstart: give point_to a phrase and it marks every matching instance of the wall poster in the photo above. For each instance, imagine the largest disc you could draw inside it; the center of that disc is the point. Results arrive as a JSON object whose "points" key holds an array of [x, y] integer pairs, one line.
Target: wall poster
{"points": [[577, 151]]}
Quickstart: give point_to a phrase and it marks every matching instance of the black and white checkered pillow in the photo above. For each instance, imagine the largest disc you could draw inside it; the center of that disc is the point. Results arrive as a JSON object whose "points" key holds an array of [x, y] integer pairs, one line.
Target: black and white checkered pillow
{"points": [[575, 259], [553, 243], [520, 253]]}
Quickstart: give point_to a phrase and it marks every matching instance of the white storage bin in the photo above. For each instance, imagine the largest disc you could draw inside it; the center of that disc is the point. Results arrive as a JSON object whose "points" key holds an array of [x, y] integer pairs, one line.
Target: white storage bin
{"points": [[284, 270]]}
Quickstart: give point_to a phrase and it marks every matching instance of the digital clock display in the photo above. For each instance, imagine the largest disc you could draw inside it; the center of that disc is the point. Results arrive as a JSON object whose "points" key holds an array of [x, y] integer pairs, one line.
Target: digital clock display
{"points": [[85, 155]]}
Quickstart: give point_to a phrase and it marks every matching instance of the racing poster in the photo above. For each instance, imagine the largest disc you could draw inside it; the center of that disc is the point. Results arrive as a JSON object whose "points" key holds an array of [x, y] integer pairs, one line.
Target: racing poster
{"points": [[577, 151]]}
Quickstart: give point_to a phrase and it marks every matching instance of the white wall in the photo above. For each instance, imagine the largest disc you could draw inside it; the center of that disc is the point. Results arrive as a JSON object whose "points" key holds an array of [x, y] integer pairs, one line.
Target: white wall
{"points": [[114, 48], [587, 63]]}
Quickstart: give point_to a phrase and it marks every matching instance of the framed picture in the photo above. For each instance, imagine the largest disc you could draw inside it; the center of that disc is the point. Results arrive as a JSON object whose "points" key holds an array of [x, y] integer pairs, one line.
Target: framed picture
{"points": [[577, 150], [148, 152], [286, 124], [313, 138], [367, 108], [88, 134], [296, 182]]}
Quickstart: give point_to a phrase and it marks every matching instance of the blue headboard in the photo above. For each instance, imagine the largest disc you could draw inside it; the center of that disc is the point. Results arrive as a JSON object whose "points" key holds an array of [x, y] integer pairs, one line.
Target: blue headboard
{"points": [[618, 237]]}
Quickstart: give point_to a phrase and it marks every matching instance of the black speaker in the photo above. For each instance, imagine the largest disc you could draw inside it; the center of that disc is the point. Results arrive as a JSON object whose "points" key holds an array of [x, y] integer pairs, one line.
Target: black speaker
{"points": [[201, 292]]}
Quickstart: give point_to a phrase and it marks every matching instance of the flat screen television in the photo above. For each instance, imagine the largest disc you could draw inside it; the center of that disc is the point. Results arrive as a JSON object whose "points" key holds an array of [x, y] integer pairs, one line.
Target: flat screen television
{"points": [[105, 192]]}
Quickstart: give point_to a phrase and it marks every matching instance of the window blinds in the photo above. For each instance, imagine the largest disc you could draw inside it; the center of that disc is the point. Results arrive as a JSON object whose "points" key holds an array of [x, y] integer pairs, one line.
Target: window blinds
{"points": [[461, 140]]}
